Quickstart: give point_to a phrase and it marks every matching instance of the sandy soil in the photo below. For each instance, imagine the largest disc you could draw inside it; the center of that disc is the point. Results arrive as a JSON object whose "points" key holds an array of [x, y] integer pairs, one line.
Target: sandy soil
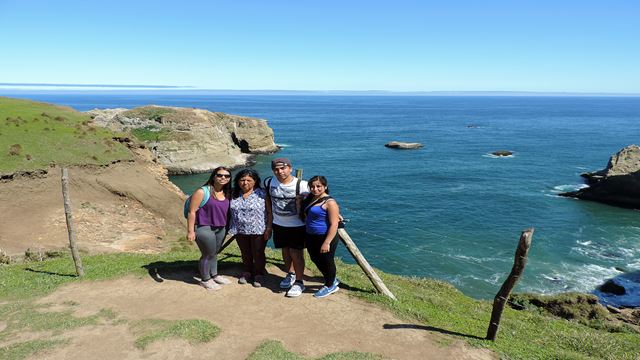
{"points": [[123, 207], [247, 316]]}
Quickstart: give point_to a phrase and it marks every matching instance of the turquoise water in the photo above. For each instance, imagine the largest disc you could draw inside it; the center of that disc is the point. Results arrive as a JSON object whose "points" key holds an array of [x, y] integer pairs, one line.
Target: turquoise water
{"points": [[450, 210]]}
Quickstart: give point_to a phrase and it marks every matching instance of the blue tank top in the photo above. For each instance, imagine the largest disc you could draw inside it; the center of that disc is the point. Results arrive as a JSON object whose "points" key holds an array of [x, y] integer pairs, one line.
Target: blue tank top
{"points": [[317, 222]]}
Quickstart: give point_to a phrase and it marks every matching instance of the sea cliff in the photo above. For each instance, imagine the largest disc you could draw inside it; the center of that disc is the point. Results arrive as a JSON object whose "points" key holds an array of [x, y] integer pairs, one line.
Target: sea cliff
{"points": [[618, 184], [186, 140]]}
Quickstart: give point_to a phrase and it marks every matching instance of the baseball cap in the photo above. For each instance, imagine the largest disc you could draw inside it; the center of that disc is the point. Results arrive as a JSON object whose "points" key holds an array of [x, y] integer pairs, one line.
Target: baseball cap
{"points": [[280, 162]]}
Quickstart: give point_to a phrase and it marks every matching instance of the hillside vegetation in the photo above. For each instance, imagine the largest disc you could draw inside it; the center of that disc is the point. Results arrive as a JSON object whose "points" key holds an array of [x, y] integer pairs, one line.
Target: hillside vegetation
{"points": [[35, 135], [423, 303]]}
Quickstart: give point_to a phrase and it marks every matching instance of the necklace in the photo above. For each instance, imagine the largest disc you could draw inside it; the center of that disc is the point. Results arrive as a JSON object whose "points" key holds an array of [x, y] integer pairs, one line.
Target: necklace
{"points": [[216, 193]]}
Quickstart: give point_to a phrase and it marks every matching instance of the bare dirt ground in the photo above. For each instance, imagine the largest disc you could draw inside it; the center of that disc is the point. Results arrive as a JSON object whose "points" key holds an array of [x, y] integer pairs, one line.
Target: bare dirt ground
{"points": [[121, 207], [247, 317]]}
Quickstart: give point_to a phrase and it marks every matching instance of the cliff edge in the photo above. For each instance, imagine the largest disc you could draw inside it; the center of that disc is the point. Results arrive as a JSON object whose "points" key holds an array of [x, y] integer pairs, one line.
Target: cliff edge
{"points": [[618, 184], [186, 140]]}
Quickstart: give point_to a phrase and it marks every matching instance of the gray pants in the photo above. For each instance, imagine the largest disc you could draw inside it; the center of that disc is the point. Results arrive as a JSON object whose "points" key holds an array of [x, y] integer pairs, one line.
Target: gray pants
{"points": [[209, 240]]}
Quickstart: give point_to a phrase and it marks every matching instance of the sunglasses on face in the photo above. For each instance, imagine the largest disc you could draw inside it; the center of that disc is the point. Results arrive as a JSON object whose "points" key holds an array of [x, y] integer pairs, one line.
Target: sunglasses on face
{"points": [[226, 176]]}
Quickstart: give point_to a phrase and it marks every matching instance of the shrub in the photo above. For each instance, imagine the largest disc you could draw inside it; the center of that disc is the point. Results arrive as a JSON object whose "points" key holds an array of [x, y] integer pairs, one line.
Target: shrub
{"points": [[15, 149]]}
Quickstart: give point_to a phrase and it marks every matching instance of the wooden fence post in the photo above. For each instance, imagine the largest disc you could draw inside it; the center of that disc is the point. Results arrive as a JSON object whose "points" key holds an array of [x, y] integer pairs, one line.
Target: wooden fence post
{"points": [[70, 227], [229, 241], [505, 291], [364, 264]]}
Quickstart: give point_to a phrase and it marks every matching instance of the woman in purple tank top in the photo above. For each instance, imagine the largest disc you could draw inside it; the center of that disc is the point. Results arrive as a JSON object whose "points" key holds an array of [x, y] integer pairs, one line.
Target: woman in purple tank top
{"points": [[207, 225]]}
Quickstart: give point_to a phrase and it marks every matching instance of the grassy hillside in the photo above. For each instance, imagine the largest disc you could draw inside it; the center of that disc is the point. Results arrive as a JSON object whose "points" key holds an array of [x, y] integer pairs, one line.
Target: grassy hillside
{"points": [[423, 303], [34, 135]]}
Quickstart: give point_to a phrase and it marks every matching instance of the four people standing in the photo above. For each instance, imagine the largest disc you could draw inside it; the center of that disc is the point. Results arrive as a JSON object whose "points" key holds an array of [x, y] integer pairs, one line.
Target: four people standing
{"points": [[252, 214]]}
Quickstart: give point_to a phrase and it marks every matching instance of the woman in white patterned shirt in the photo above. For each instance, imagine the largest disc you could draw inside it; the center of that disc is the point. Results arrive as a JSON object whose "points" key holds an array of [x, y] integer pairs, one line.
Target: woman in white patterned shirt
{"points": [[251, 222]]}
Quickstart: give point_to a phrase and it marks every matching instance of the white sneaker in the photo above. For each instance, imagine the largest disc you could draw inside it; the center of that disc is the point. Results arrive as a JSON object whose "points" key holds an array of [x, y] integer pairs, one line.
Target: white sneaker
{"points": [[221, 280], [296, 290], [210, 285], [288, 281]]}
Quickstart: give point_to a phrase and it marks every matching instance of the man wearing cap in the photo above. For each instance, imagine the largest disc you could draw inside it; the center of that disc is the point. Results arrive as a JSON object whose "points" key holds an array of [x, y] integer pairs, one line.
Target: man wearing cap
{"points": [[286, 193]]}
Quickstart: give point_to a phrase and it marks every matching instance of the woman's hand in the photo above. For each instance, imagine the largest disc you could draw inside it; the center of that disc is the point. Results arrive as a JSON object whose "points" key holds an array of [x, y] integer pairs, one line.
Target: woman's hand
{"points": [[267, 234], [191, 235], [325, 247]]}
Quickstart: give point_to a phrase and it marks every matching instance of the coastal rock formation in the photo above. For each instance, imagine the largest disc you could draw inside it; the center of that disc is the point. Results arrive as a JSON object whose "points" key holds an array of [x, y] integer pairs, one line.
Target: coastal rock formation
{"points": [[402, 145], [617, 184], [188, 140], [502, 153]]}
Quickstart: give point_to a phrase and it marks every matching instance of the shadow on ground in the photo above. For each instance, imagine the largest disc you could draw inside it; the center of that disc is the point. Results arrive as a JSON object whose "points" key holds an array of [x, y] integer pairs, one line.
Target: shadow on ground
{"points": [[429, 328], [229, 265]]}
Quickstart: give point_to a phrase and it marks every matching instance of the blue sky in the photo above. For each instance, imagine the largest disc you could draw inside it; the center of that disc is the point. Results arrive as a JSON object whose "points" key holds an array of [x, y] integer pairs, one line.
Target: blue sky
{"points": [[566, 46]]}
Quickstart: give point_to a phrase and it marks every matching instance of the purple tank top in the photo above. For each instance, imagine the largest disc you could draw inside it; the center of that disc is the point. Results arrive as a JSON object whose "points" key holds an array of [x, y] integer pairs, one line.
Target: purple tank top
{"points": [[213, 213]]}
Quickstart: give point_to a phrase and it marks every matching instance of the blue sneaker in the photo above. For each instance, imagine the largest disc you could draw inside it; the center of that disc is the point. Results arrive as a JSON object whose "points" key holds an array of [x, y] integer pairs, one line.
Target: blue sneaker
{"points": [[326, 291], [288, 281], [336, 282]]}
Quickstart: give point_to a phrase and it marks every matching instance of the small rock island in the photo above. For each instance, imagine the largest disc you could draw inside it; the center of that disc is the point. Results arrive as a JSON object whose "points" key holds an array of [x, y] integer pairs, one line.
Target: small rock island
{"points": [[402, 145], [502, 153]]}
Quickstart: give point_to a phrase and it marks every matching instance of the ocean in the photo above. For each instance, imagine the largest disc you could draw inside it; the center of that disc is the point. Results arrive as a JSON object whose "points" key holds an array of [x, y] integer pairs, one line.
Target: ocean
{"points": [[450, 210]]}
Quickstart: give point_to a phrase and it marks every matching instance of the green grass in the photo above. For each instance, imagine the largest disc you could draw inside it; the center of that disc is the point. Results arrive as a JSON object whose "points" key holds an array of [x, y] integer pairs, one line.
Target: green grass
{"points": [[194, 331], [26, 349], [432, 305], [272, 349], [24, 315], [155, 113], [35, 135], [151, 133]]}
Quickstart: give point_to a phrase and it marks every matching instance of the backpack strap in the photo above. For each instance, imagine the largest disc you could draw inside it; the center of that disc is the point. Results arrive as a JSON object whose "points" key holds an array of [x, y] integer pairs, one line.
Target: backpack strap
{"points": [[320, 201], [266, 182], [207, 195]]}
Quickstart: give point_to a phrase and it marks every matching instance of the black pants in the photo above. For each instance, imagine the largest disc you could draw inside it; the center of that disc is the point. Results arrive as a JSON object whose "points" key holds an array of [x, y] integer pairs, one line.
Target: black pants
{"points": [[324, 261], [252, 250]]}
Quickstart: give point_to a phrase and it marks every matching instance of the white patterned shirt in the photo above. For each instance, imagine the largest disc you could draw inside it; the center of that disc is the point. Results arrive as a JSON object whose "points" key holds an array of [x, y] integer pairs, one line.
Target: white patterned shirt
{"points": [[248, 216]]}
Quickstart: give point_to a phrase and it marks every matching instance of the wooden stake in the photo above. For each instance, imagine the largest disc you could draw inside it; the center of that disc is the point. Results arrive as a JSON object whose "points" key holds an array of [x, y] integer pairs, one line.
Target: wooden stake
{"points": [[364, 264], [70, 227], [229, 241], [505, 291]]}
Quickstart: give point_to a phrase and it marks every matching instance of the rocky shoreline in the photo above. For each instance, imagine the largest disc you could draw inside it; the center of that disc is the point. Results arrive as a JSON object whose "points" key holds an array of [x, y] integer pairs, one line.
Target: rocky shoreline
{"points": [[189, 141], [618, 184]]}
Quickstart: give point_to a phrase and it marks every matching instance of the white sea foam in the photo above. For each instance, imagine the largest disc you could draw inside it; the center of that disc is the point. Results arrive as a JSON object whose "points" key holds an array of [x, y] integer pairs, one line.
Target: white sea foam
{"points": [[553, 278], [497, 157], [283, 145], [495, 278], [584, 243], [587, 277], [569, 187]]}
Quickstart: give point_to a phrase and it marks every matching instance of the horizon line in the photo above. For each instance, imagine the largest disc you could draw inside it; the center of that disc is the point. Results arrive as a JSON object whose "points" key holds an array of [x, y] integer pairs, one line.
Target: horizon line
{"points": [[188, 88]]}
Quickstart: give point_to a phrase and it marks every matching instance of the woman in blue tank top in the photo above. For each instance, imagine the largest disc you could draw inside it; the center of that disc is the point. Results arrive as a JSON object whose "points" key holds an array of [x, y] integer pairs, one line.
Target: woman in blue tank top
{"points": [[321, 220]]}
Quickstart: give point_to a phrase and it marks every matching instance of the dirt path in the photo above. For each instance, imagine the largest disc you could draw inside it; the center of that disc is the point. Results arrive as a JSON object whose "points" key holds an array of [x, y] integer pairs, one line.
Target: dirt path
{"points": [[247, 316]]}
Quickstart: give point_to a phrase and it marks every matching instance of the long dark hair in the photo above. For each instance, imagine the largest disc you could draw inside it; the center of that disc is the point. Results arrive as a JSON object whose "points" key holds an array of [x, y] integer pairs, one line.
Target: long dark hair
{"points": [[245, 172], [307, 201], [226, 189]]}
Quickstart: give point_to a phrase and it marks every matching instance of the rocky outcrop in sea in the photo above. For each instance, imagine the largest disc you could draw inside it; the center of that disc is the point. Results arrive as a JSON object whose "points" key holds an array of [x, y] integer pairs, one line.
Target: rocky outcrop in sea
{"points": [[187, 140], [402, 145], [618, 184]]}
